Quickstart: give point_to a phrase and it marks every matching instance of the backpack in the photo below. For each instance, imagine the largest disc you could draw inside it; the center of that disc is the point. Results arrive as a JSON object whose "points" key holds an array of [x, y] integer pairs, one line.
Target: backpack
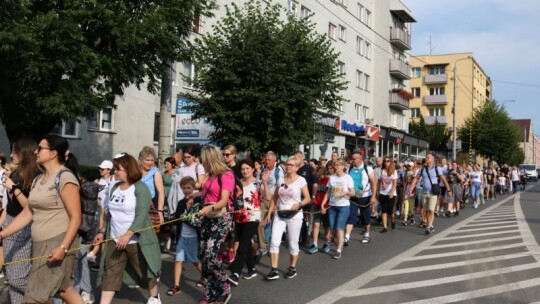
{"points": [[237, 196], [89, 195]]}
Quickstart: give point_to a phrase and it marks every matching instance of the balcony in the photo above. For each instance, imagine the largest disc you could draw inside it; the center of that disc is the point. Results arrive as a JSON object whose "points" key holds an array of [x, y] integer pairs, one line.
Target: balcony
{"points": [[399, 69], [398, 102], [436, 79], [431, 100], [400, 38], [430, 120]]}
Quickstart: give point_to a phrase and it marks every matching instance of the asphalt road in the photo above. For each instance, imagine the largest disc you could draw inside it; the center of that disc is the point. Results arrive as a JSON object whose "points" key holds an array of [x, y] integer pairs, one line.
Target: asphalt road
{"points": [[486, 255]]}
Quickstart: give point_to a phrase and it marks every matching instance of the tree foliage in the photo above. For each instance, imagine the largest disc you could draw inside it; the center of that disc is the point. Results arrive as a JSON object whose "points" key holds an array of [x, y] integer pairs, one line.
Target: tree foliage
{"points": [[494, 135], [437, 134], [261, 77], [65, 59]]}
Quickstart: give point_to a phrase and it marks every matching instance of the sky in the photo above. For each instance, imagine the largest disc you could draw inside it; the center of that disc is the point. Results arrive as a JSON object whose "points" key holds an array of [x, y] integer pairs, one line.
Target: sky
{"points": [[504, 37]]}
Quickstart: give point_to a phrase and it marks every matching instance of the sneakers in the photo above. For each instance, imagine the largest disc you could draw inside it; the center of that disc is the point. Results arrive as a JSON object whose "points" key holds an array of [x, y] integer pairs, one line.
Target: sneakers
{"points": [[272, 275], [262, 251], [153, 300], [250, 275], [174, 290], [326, 247], [430, 230], [346, 242], [201, 283], [365, 240], [423, 225], [383, 230], [291, 273], [233, 279], [436, 213], [393, 225], [337, 255], [313, 249], [448, 214]]}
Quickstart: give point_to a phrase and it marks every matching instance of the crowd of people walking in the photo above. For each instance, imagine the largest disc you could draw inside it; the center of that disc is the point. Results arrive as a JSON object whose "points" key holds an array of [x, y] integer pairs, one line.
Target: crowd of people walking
{"points": [[210, 209]]}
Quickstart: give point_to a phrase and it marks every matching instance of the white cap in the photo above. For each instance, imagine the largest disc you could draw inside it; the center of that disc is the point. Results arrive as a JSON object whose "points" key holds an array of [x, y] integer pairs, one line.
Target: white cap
{"points": [[106, 164]]}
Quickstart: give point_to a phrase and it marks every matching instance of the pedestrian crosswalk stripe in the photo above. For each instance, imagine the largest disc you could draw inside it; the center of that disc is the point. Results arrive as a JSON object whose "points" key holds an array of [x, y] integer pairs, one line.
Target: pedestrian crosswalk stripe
{"points": [[475, 242], [445, 280], [457, 237], [481, 224], [509, 219], [489, 228]]}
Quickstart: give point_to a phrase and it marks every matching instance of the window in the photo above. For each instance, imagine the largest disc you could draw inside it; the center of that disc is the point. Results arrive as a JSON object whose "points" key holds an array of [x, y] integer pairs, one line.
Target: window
{"points": [[292, 7], [436, 112], [358, 79], [156, 127], [341, 68], [365, 113], [437, 70], [415, 92], [189, 73], [359, 11], [358, 112], [366, 83], [368, 18], [416, 72], [342, 32], [415, 112], [304, 12], [198, 24], [343, 2], [67, 129], [436, 91], [103, 120], [332, 31], [360, 45], [368, 50]]}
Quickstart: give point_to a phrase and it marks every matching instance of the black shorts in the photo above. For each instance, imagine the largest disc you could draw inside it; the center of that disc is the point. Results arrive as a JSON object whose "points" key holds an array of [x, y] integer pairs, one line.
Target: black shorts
{"points": [[443, 191], [387, 203]]}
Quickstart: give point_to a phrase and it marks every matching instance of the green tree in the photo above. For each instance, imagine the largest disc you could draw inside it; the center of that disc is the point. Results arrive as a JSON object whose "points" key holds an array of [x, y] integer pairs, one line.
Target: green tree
{"points": [[65, 59], [494, 135], [260, 78], [437, 135]]}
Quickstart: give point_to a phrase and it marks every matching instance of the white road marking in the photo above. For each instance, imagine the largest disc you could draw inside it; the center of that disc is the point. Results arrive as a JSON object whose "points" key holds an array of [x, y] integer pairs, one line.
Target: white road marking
{"points": [[461, 252], [466, 236], [474, 242], [488, 228], [481, 224], [350, 288]]}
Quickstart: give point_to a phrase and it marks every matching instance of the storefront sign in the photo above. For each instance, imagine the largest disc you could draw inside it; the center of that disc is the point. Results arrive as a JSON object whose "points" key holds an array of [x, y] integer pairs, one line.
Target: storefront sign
{"points": [[351, 127], [187, 128], [373, 133], [395, 136], [327, 121]]}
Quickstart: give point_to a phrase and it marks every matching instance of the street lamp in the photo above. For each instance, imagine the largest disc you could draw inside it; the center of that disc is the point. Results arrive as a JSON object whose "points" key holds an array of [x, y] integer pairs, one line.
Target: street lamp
{"points": [[454, 135]]}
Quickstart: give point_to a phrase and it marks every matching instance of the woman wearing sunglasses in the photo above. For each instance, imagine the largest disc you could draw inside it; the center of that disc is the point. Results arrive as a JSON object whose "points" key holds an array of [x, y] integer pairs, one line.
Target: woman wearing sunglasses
{"points": [[132, 247], [387, 192], [54, 211], [290, 196]]}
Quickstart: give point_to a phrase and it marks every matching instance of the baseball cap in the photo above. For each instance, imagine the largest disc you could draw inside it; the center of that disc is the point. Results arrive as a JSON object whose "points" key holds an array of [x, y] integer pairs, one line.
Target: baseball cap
{"points": [[106, 164]]}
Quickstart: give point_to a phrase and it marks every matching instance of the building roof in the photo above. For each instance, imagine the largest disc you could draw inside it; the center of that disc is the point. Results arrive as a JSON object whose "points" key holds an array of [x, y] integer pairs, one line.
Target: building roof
{"points": [[524, 125]]}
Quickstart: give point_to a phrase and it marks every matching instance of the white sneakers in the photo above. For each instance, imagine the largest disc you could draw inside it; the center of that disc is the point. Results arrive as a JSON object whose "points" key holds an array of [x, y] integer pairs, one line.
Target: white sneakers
{"points": [[153, 300], [87, 298]]}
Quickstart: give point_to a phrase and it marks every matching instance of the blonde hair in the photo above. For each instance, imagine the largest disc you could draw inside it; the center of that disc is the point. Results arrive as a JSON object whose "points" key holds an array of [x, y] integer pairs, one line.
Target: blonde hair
{"points": [[341, 161], [212, 160], [296, 160], [147, 151]]}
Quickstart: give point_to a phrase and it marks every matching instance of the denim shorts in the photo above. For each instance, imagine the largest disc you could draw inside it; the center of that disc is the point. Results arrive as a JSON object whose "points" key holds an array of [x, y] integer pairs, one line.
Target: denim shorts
{"points": [[338, 217], [186, 250]]}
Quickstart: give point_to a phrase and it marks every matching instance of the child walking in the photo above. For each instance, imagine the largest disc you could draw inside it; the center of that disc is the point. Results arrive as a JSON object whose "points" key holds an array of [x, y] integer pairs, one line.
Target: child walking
{"points": [[408, 200], [187, 244]]}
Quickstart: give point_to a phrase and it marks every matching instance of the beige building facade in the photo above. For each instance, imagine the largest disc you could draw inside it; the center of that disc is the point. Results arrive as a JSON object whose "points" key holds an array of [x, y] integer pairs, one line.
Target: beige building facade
{"points": [[434, 87]]}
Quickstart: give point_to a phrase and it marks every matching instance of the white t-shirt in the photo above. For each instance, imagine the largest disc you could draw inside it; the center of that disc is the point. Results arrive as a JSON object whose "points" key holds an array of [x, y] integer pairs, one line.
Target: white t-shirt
{"points": [[192, 170], [2, 172], [476, 177], [339, 185], [515, 175], [502, 180], [387, 183], [355, 174], [122, 207], [272, 182], [104, 188], [290, 194]]}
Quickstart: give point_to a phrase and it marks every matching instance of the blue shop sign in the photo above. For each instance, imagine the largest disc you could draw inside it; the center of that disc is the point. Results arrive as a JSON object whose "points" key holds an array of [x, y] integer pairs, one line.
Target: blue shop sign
{"points": [[351, 127]]}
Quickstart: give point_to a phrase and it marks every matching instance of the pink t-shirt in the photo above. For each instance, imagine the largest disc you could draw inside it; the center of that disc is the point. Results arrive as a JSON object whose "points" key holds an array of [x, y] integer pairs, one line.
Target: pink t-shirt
{"points": [[211, 188]]}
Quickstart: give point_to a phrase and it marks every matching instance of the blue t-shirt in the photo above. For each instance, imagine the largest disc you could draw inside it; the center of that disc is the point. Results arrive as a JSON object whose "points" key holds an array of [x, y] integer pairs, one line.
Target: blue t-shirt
{"points": [[426, 183], [148, 180]]}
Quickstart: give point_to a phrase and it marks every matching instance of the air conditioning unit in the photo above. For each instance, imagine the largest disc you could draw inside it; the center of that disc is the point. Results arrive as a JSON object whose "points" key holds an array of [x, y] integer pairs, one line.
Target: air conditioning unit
{"points": [[369, 121]]}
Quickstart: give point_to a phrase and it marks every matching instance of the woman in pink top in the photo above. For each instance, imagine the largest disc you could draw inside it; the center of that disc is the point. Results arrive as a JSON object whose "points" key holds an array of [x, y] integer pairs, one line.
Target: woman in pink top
{"points": [[216, 223]]}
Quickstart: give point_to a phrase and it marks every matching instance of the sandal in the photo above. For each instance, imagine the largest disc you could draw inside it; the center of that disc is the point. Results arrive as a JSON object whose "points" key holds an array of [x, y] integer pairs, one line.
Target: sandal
{"points": [[404, 223], [174, 290]]}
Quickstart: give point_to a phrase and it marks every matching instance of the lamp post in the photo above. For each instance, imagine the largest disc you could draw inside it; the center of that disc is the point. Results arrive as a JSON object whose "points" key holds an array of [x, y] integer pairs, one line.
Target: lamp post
{"points": [[454, 135]]}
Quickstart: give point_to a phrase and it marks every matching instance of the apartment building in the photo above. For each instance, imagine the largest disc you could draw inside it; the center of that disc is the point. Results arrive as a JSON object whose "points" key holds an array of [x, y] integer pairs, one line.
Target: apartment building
{"points": [[373, 39], [434, 78], [528, 140]]}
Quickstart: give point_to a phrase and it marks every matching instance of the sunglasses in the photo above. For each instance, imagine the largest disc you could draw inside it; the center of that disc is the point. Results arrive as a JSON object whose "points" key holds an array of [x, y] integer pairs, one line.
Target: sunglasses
{"points": [[386, 160], [226, 154], [39, 148], [284, 186]]}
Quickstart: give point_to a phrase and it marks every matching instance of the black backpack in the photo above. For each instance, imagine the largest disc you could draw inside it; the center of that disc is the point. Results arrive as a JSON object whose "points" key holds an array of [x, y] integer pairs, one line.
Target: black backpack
{"points": [[89, 196]]}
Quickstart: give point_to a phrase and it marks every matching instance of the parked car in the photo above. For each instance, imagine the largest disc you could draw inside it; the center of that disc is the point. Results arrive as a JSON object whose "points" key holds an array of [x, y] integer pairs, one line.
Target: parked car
{"points": [[532, 172]]}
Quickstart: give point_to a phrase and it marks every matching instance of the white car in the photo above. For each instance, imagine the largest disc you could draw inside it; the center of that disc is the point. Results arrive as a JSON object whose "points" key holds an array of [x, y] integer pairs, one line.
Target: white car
{"points": [[532, 172]]}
